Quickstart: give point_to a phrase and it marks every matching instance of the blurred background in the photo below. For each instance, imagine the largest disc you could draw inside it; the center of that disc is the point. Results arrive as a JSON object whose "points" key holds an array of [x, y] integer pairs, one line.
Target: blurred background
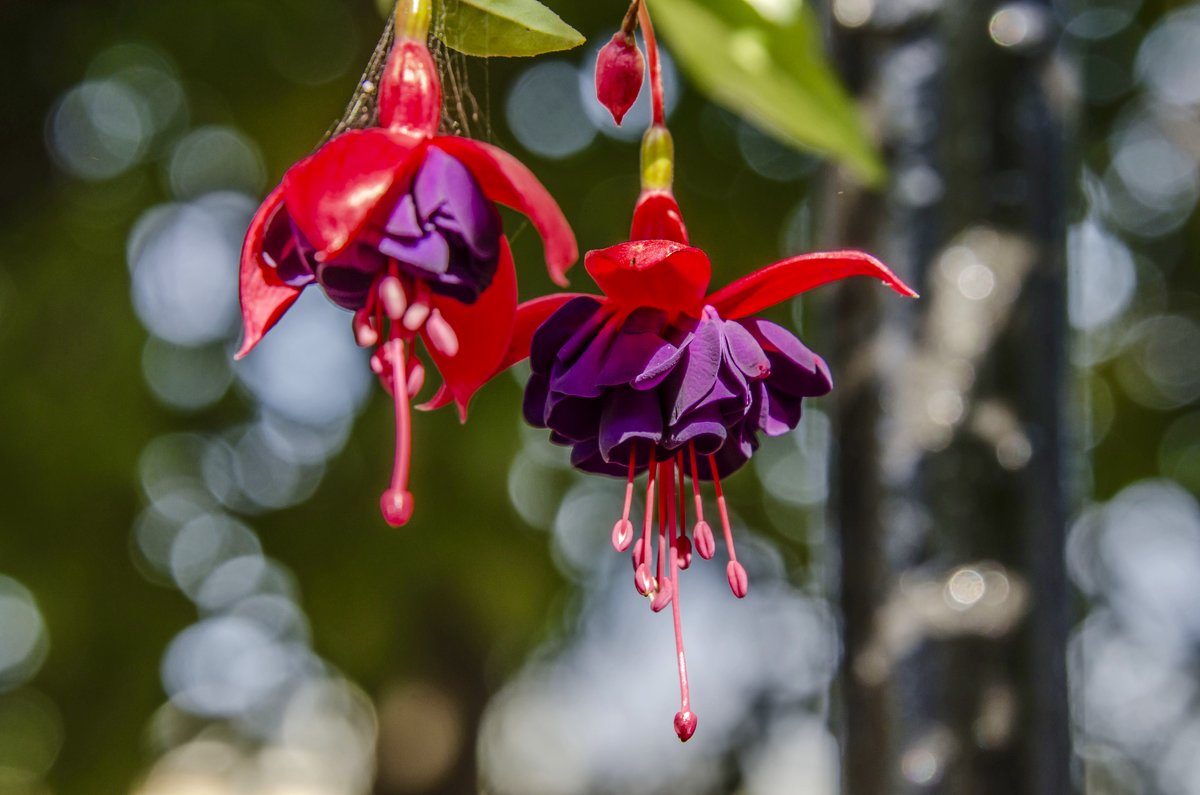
{"points": [[975, 567]]}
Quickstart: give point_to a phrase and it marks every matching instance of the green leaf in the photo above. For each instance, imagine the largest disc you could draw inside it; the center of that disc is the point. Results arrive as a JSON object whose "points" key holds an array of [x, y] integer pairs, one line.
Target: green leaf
{"points": [[772, 72], [502, 27]]}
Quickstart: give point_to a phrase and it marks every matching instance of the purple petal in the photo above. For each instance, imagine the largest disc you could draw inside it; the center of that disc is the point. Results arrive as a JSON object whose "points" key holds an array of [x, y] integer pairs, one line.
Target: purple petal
{"points": [[423, 257], [705, 428], [794, 368], [629, 414], [284, 249], [581, 378], [745, 351], [403, 221], [635, 347], [577, 419], [782, 413], [448, 196], [533, 405], [697, 373], [553, 334]]}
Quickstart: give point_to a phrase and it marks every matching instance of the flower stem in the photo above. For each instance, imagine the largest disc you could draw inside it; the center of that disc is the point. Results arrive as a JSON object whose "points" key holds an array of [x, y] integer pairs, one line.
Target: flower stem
{"points": [[413, 18], [656, 85]]}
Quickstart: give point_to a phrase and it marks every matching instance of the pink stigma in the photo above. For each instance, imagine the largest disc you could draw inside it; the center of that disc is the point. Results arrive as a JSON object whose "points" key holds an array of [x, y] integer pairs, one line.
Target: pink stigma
{"points": [[685, 724]]}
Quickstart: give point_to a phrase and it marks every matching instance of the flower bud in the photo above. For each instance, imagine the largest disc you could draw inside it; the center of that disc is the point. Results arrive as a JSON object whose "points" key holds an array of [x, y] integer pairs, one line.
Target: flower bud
{"points": [[619, 72]]}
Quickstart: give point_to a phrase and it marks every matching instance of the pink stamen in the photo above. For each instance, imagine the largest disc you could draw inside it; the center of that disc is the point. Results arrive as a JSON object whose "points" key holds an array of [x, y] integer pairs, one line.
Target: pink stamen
{"points": [[706, 545], [416, 375], [642, 579], [622, 532], [734, 572], [416, 316], [397, 503], [364, 329], [683, 544], [391, 296], [663, 591], [419, 309], [685, 719], [441, 335]]}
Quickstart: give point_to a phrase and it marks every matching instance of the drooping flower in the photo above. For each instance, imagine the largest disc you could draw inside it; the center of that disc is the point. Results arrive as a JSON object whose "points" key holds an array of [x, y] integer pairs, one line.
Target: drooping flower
{"points": [[399, 225], [658, 375]]}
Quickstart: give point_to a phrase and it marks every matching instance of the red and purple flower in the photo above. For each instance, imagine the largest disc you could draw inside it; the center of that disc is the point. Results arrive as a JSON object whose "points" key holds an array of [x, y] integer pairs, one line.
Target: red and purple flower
{"points": [[658, 375], [399, 225]]}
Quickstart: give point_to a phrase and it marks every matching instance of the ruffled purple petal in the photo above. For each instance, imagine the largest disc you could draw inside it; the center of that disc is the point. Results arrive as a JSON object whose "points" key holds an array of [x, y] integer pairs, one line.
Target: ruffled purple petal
{"points": [[629, 414], [794, 368]]}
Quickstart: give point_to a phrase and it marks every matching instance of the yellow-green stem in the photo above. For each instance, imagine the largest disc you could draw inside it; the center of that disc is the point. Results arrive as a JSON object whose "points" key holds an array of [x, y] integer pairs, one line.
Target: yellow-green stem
{"points": [[413, 18], [658, 159]]}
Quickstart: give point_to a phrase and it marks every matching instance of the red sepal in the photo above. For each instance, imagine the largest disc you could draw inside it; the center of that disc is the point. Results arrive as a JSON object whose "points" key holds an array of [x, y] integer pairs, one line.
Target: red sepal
{"points": [[264, 297], [506, 180], [655, 273], [783, 280], [530, 316], [484, 329], [657, 217], [333, 193]]}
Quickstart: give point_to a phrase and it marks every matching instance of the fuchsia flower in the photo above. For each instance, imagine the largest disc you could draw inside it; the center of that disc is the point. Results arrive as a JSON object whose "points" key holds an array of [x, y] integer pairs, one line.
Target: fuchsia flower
{"points": [[659, 375], [397, 224]]}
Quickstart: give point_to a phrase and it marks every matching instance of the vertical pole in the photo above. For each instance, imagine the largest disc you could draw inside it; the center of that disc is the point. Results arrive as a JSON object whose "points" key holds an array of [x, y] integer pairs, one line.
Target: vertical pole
{"points": [[951, 443]]}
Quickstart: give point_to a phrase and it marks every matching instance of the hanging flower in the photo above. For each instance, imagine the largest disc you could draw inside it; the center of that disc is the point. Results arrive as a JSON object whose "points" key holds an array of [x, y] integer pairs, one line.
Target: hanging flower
{"points": [[660, 376], [398, 224]]}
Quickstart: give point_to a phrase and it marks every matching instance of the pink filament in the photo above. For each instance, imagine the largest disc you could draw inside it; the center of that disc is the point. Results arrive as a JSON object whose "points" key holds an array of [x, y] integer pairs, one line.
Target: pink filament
{"points": [[641, 577], [623, 530], [712, 464]]}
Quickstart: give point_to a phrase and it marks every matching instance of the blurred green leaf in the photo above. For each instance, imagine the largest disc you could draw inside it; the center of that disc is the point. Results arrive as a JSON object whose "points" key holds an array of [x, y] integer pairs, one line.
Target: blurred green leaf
{"points": [[773, 73], [503, 27]]}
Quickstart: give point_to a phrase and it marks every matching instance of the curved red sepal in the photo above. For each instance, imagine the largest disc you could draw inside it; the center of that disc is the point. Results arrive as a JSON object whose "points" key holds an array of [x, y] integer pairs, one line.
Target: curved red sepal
{"points": [[263, 296], [530, 316], [657, 217], [483, 328], [506, 180], [790, 277], [655, 273], [333, 193]]}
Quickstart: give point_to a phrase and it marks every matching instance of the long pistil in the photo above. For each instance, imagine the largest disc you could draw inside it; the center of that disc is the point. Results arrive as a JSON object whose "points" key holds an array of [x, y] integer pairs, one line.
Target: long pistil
{"points": [[685, 719], [397, 502]]}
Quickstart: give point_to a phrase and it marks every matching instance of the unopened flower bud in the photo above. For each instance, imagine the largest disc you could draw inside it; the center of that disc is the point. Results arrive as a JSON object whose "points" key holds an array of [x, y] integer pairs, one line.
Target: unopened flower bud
{"points": [[619, 72]]}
